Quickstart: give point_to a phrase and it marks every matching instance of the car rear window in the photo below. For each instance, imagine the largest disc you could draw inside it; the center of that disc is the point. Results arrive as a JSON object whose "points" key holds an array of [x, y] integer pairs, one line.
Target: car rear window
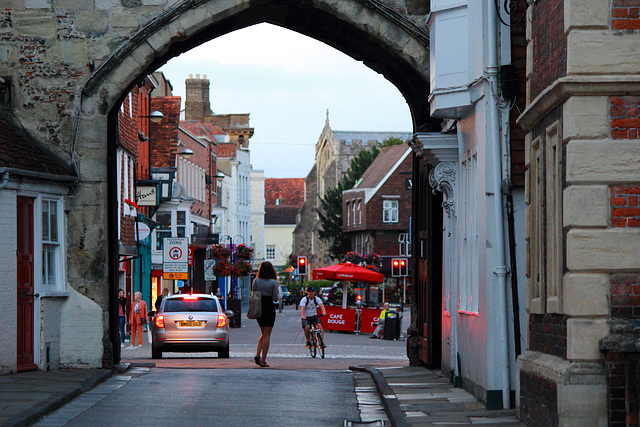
{"points": [[204, 304]]}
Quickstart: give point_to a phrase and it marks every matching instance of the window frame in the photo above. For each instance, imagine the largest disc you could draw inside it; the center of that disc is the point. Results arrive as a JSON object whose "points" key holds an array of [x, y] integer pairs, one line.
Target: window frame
{"points": [[388, 212]]}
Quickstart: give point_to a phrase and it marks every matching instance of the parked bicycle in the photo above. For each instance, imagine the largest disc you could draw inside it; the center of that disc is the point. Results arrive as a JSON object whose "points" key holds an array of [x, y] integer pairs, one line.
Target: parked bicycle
{"points": [[317, 343]]}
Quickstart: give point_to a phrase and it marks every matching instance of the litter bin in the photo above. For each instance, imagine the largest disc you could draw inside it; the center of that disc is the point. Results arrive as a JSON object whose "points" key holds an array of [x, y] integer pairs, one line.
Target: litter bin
{"points": [[235, 306], [391, 327]]}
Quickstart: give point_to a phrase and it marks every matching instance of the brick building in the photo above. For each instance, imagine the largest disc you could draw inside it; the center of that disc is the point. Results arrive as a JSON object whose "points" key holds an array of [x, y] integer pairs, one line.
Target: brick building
{"points": [[376, 213], [334, 151], [581, 123]]}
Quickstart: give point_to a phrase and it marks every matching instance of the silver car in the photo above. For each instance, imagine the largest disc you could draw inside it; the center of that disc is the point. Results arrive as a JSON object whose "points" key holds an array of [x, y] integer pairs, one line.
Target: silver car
{"points": [[190, 323]]}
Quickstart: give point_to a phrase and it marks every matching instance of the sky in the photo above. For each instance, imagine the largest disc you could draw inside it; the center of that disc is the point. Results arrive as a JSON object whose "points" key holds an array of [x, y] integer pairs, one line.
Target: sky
{"points": [[286, 82]]}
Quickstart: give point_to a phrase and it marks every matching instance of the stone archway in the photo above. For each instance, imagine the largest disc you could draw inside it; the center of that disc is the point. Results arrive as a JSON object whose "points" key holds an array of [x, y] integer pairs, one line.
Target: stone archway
{"points": [[125, 42]]}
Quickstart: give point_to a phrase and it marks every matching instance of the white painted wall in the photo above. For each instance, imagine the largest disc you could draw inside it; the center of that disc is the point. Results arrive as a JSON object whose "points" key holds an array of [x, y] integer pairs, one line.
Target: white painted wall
{"points": [[8, 304]]}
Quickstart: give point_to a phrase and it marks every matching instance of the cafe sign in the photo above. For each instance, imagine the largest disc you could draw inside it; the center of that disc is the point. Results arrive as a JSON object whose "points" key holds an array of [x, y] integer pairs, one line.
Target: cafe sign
{"points": [[147, 195]]}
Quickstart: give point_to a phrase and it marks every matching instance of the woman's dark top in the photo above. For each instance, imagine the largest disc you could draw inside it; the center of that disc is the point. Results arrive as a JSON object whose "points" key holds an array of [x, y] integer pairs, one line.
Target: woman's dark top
{"points": [[270, 294]]}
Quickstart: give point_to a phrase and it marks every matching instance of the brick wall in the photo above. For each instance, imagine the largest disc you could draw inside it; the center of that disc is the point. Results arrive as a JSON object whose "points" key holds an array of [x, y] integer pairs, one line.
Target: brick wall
{"points": [[625, 206], [549, 45], [548, 334], [538, 400], [624, 117], [625, 14], [164, 135], [625, 295]]}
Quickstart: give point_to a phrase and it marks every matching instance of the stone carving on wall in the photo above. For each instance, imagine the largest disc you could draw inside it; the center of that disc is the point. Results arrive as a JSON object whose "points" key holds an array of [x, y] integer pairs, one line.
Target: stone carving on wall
{"points": [[443, 178]]}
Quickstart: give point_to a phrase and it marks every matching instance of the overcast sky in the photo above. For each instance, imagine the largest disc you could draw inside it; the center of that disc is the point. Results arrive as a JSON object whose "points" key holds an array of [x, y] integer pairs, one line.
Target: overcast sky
{"points": [[287, 82]]}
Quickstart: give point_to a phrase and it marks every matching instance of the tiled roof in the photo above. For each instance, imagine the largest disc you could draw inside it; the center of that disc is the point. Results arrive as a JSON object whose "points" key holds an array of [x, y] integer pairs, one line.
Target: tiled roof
{"points": [[200, 129], [19, 150], [288, 192], [381, 165]]}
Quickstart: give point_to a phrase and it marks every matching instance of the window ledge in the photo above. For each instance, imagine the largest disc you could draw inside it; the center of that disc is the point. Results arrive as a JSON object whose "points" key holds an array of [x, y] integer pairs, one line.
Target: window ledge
{"points": [[54, 294]]}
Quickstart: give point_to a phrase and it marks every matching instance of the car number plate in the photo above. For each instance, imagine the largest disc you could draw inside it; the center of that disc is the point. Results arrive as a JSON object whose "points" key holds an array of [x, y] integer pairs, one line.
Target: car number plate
{"points": [[190, 323]]}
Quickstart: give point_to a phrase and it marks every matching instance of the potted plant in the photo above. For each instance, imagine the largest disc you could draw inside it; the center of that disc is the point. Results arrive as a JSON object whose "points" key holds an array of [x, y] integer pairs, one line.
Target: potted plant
{"points": [[242, 268]]}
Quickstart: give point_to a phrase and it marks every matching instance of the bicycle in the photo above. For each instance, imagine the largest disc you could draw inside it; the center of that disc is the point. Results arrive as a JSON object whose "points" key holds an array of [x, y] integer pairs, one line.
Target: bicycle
{"points": [[315, 338]]}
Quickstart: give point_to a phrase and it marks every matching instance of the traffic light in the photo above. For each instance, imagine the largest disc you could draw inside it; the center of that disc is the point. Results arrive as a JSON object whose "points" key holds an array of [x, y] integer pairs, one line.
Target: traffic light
{"points": [[395, 267], [302, 265], [404, 267], [399, 267]]}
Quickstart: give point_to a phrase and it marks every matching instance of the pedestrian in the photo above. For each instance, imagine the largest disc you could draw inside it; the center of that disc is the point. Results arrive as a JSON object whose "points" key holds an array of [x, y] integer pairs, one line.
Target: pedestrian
{"points": [[267, 283], [165, 292], [381, 317], [137, 318], [122, 310]]}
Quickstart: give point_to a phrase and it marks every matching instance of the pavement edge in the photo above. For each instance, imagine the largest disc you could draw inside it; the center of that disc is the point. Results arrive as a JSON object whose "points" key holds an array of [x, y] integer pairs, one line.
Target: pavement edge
{"points": [[52, 403], [387, 396]]}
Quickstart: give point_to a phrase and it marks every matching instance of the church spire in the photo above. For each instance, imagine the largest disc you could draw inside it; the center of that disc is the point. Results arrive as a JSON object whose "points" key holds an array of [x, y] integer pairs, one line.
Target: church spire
{"points": [[326, 122]]}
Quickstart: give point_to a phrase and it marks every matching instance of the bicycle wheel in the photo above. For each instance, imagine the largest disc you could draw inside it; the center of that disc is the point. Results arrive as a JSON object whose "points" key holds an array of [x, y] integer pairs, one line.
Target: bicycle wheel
{"points": [[320, 344], [314, 343]]}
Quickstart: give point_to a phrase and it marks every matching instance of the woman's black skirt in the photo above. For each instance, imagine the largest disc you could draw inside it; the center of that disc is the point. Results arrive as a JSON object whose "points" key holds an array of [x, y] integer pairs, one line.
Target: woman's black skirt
{"points": [[268, 317]]}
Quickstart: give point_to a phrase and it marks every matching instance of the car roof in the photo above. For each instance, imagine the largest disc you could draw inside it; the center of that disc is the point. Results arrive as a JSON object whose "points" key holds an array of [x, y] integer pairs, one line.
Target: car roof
{"points": [[191, 295]]}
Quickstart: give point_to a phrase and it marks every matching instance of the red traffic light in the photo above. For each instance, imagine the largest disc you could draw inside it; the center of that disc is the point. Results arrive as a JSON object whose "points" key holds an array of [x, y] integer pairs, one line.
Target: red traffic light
{"points": [[302, 265]]}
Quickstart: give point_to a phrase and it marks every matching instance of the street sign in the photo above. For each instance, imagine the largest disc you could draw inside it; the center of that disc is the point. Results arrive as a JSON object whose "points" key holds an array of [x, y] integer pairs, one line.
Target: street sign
{"points": [[175, 258], [208, 269]]}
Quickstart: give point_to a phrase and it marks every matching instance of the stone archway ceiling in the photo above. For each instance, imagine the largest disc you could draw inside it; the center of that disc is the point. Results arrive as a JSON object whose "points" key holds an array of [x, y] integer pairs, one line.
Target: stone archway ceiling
{"points": [[385, 54]]}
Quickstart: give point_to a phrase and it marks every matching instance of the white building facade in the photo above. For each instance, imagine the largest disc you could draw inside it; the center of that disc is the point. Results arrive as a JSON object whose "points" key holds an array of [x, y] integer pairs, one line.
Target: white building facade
{"points": [[471, 167]]}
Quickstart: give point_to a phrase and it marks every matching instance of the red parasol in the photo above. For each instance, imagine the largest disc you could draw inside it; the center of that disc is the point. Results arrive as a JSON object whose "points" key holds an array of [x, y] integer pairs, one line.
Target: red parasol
{"points": [[347, 271]]}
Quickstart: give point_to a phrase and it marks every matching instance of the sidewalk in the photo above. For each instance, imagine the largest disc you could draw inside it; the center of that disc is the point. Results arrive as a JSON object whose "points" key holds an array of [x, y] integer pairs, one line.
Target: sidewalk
{"points": [[28, 396], [415, 396], [411, 396]]}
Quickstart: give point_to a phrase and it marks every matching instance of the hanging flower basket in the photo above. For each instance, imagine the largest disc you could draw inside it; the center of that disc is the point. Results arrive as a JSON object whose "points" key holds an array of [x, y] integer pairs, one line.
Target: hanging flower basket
{"points": [[244, 252], [372, 258], [242, 268], [353, 257], [372, 267], [220, 251], [222, 268]]}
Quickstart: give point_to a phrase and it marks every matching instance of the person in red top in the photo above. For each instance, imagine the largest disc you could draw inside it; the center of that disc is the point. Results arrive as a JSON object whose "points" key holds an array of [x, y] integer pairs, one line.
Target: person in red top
{"points": [[137, 318], [122, 310]]}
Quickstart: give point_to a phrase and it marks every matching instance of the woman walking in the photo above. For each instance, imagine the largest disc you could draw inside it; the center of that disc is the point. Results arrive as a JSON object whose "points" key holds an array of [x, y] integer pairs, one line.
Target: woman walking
{"points": [[266, 282], [137, 318]]}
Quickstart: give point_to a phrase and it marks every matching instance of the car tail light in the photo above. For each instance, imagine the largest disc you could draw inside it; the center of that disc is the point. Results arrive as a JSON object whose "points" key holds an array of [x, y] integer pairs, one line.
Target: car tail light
{"points": [[190, 298], [160, 321], [222, 320]]}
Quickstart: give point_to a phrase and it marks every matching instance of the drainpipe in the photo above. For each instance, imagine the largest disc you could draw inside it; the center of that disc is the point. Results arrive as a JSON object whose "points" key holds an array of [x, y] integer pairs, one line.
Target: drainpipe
{"points": [[5, 178], [491, 72]]}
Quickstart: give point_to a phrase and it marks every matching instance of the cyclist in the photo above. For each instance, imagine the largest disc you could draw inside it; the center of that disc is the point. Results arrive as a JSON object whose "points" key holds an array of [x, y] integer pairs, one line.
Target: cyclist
{"points": [[309, 312]]}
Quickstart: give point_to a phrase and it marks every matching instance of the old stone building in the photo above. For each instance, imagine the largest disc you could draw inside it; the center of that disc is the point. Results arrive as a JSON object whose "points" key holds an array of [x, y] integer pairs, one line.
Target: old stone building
{"points": [[583, 175], [334, 151]]}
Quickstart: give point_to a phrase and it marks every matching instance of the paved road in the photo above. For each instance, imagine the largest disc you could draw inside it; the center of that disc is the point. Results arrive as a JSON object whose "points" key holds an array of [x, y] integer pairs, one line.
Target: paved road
{"points": [[287, 349], [210, 397]]}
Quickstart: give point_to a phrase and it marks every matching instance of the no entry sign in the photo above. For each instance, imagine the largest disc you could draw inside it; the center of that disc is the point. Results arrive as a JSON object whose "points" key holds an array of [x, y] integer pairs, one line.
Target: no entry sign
{"points": [[175, 258]]}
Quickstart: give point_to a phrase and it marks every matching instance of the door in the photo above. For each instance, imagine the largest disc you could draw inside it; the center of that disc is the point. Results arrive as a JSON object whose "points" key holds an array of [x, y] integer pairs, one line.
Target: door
{"points": [[25, 294]]}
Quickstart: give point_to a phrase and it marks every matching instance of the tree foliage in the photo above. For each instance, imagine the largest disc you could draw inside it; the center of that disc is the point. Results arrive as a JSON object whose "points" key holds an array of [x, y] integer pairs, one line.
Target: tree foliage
{"points": [[330, 211]]}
